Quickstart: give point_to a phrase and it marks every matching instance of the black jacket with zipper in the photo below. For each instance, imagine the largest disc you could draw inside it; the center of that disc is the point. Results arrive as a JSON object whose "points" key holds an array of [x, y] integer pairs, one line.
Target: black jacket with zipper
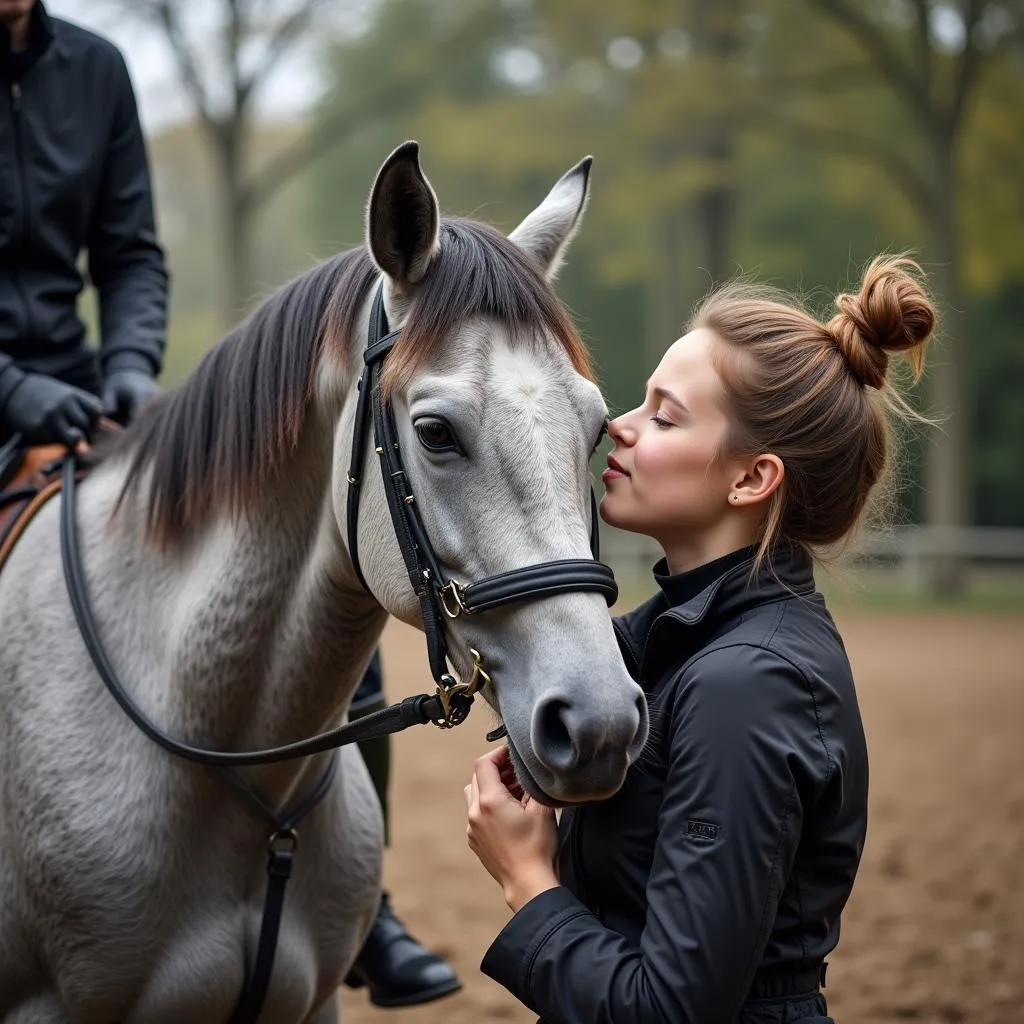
{"points": [[73, 178], [709, 888]]}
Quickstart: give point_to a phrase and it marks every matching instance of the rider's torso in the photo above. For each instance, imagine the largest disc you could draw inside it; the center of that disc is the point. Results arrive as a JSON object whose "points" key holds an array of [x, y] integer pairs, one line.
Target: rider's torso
{"points": [[55, 129]]}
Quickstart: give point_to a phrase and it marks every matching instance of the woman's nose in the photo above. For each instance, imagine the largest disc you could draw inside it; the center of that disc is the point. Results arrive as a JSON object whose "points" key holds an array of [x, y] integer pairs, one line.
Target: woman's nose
{"points": [[620, 431]]}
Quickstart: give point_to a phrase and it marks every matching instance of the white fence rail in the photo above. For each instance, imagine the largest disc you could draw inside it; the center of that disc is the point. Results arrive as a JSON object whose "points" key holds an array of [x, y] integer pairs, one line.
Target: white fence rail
{"points": [[909, 548]]}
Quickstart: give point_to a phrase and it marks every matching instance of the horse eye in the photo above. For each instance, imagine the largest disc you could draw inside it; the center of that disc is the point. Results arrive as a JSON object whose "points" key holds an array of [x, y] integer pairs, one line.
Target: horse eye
{"points": [[600, 437], [436, 436]]}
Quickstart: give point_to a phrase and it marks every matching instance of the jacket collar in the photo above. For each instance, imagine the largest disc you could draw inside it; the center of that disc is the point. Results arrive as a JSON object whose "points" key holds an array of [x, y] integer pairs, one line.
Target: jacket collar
{"points": [[726, 598], [14, 66], [683, 587]]}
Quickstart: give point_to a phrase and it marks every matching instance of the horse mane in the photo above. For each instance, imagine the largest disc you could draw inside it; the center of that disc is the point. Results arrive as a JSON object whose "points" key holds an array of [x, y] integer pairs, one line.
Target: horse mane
{"points": [[213, 444]]}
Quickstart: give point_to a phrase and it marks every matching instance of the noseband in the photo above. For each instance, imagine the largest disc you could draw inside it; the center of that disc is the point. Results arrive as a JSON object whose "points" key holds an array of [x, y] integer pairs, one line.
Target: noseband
{"points": [[442, 596]]}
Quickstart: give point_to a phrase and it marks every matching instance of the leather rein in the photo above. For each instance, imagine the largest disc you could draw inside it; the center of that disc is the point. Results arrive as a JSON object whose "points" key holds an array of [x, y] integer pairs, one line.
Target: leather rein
{"points": [[440, 596]]}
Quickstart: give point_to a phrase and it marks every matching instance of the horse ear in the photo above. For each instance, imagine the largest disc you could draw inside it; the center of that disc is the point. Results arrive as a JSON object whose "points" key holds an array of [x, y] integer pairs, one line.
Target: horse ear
{"points": [[402, 217], [545, 234]]}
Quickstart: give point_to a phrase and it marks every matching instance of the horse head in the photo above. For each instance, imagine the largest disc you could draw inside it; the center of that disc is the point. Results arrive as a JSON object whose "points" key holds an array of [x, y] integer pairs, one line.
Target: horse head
{"points": [[496, 415]]}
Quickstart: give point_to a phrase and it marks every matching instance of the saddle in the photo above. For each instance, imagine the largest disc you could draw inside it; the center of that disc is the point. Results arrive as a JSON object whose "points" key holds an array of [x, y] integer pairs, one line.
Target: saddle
{"points": [[29, 477]]}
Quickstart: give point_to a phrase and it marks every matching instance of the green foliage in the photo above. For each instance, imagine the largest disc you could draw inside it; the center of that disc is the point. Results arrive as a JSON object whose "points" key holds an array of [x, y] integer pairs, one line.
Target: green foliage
{"points": [[992, 167], [768, 102], [997, 340]]}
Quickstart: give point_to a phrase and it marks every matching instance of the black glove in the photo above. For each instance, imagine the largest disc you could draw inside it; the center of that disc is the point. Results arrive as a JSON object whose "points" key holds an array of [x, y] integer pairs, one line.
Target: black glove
{"points": [[48, 411], [124, 390]]}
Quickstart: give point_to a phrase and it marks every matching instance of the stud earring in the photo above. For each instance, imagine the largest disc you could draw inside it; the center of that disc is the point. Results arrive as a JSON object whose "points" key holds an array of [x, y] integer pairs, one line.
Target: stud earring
{"points": [[734, 497]]}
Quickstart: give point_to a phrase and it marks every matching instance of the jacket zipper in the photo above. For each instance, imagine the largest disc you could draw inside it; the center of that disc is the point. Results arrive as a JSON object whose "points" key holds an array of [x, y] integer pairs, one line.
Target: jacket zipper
{"points": [[24, 223]]}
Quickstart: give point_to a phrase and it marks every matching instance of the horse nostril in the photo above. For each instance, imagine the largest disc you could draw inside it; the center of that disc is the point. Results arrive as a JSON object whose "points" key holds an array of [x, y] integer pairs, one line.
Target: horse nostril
{"points": [[552, 739], [642, 722]]}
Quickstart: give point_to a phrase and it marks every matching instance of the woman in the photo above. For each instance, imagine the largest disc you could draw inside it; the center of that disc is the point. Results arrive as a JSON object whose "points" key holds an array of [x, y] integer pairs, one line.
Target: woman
{"points": [[709, 888]]}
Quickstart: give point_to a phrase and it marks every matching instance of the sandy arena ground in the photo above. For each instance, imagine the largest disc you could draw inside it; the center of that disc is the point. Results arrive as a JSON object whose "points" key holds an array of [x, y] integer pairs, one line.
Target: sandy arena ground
{"points": [[934, 931]]}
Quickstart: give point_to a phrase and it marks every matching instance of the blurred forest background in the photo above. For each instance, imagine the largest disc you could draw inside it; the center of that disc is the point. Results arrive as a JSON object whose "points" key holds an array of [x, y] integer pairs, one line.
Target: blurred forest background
{"points": [[790, 140]]}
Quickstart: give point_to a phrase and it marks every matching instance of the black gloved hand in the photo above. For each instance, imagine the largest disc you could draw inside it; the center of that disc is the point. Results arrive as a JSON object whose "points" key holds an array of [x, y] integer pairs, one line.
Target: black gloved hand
{"points": [[124, 390], [48, 411]]}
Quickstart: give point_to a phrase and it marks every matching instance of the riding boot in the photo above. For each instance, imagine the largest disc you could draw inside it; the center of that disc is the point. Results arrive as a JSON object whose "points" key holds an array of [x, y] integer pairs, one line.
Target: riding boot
{"points": [[395, 967]]}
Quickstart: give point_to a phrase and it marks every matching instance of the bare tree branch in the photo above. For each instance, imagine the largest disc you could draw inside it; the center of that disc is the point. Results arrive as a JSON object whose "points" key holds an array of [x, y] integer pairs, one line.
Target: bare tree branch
{"points": [[343, 119], [925, 53], [167, 15], [283, 38], [336, 126], [235, 33], [888, 59]]}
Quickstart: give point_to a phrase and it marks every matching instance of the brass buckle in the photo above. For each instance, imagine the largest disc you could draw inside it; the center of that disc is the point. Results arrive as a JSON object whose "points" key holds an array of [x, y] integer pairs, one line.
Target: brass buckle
{"points": [[480, 677], [453, 592], [449, 690], [286, 840]]}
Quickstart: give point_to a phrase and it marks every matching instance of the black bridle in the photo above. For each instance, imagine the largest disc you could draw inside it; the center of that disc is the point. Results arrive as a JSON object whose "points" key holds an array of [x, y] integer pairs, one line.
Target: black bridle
{"points": [[440, 597]]}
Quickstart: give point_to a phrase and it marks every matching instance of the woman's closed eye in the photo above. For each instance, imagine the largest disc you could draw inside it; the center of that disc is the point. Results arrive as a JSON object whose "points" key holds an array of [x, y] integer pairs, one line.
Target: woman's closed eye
{"points": [[661, 422]]}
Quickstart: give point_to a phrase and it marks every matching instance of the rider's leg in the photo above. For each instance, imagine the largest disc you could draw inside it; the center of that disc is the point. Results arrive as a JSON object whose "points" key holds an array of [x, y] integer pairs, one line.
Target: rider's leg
{"points": [[398, 970]]}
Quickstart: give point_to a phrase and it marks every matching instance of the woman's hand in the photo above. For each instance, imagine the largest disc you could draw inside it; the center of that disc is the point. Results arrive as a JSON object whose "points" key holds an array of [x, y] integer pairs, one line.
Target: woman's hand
{"points": [[515, 837]]}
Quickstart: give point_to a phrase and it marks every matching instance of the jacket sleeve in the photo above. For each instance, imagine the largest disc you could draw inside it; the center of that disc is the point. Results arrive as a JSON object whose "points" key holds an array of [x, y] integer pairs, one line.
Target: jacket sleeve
{"points": [[743, 733], [10, 377], [126, 262]]}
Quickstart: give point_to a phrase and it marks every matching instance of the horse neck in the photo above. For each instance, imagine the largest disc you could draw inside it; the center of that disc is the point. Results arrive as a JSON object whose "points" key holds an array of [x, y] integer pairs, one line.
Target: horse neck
{"points": [[254, 633]]}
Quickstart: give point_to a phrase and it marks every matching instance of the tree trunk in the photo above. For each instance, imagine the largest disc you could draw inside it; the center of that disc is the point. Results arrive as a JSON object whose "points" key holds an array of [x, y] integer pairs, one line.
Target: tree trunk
{"points": [[714, 217], [716, 36], [238, 258], [666, 300], [236, 222], [946, 478]]}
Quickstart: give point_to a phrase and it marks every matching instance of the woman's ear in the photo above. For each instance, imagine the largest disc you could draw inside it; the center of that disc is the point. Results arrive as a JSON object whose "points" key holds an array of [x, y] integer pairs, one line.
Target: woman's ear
{"points": [[758, 482]]}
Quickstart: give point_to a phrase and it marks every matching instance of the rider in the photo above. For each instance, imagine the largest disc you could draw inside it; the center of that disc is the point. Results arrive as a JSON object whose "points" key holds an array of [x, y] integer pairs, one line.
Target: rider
{"points": [[73, 177], [73, 159]]}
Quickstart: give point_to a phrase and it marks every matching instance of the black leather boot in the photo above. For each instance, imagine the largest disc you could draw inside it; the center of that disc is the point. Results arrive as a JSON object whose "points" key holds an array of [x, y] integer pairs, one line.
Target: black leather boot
{"points": [[398, 970]]}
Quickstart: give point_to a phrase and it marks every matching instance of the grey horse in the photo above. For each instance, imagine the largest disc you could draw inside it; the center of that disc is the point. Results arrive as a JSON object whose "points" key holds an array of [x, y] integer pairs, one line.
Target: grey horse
{"points": [[214, 548]]}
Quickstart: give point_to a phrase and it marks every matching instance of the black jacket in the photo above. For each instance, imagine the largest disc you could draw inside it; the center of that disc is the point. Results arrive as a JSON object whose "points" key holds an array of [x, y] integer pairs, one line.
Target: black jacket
{"points": [[716, 876], [74, 177]]}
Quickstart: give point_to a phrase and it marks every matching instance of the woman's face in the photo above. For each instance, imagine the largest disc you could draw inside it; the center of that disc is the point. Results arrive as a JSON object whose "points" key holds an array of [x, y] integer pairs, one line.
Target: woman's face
{"points": [[664, 478]]}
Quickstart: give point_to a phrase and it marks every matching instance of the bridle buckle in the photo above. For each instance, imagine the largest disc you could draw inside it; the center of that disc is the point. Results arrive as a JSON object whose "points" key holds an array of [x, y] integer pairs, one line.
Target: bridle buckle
{"points": [[453, 602], [457, 697]]}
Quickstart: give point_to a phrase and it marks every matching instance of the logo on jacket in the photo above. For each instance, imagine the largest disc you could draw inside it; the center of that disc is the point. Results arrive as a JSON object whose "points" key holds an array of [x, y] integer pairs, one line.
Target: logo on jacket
{"points": [[702, 830]]}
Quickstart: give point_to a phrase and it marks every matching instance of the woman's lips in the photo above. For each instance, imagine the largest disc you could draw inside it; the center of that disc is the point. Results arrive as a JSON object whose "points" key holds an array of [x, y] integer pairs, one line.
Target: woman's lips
{"points": [[614, 471]]}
